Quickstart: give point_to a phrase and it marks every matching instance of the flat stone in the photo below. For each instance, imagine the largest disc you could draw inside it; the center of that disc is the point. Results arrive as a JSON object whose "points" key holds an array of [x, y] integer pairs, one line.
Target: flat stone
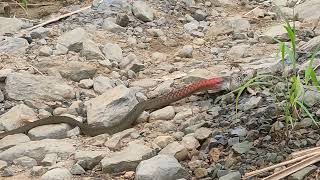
{"points": [[38, 149], [89, 159], [165, 113], [73, 40], [57, 174], [114, 142], [142, 11], [161, 167], [175, 149], [12, 140], [303, 173], [242, 147], [127, 159], [51, 131], [25, 162], [13, 45]]}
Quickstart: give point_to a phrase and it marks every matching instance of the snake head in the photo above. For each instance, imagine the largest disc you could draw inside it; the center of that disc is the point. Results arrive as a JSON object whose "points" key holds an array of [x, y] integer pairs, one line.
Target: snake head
{"points": [[216, 83]]}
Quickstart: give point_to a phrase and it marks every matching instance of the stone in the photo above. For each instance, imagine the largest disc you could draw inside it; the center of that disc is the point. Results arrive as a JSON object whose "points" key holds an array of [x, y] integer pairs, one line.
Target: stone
{"points": [[113, 52], [122, 19], [100, 110], [186, 51], [202, 133], [3, 165], [308, 10], [191, 26], [86, 83], [75, 70], [47, 88], [4, 73], [163, 141], [11, 45], [101, 84], [242, 147], [89, 159], [76, 169], [200, 173], [114, 142], [73, 40], [127, 159], [45, 51], [91, 51], [7, 172], [42, 147], [13, 118], [11, 25], [161, 167], [199, 15], [175, 149], [303, 173], [38, 170], [57, 174], [51, 131], [238, 24], [239, 131], [50, 159], [165, 113], [12, 140], [250, 103], [190, 142], [274, 32], [311, 97], [25, 161], [40, 33], [111, 26], [239, 51], [142, 11], [231, 176]]}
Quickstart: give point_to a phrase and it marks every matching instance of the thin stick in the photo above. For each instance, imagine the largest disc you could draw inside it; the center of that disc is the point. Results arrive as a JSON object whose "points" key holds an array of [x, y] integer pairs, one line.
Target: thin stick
{"points": [[251, 11], [35, 69], [304, 152], [294, 168], [254, 173], [35, 5]]}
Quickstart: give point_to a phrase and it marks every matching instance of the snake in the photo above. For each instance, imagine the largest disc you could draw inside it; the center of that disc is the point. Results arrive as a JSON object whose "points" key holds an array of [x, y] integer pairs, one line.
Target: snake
{"points": [[128, 120]]}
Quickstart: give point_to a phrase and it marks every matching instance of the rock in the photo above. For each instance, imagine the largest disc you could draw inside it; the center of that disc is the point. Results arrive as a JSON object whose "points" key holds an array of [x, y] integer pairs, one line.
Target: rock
{"points": [[231, 176], [50, 159], [38, 170], [122, 19], [194, 164], [311, 45], [127, 159], [239, 51], [214, 111], [101, 84], [76, 169], [4, 73], [175, 149], [47, 88], [57, 174], [114, 142], [3, 165], [240, 132], [100, 110], [202, 133], [73, 40], [11, 45], [274, 32], [308, 10], [12, 140], [165, 113], [238, 24], [7, 172], [191, 26], [250, 104], [76, 71], [40, 33], [113, 52], [163, 141], [86, 83], [303, 173], [111, 26], [142, 11], [91, 51], [155, 32], [161, 167], [25, 161], [51, 131], [190, 142], [200, 15], [89, 159], [45, 51], [186, 51], [200, 173], [11, 25], [13, 118], [42, 147], [311, 98], [145, 83], [243, 147], [166, 126], [232, 141]]}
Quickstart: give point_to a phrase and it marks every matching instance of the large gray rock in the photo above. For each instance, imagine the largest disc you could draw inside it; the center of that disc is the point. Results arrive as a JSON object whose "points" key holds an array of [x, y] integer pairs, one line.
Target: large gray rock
{"points": [[89, 159], [11, 25], [161, 167], [73, 40], [91, 51], [46, 88], [175, 149], [52, 131], [142, 11], [15, 117], [101, 110], [127, 159], [308, 10], [57, 174], [13, 45], [38, 149], [113, 52], [12, 140]]}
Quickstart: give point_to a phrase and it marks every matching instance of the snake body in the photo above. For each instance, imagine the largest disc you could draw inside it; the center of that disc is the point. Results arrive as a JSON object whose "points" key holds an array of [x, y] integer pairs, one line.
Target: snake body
{"points": [[129, 118]]}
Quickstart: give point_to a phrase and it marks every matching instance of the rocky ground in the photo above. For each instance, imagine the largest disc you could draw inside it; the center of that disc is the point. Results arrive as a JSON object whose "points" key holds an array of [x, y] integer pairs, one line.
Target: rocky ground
{"points": [[98, 64]]}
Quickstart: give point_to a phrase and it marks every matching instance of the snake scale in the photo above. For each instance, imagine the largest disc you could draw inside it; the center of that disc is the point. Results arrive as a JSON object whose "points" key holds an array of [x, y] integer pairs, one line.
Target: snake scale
{"points": [[129, 118]]}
